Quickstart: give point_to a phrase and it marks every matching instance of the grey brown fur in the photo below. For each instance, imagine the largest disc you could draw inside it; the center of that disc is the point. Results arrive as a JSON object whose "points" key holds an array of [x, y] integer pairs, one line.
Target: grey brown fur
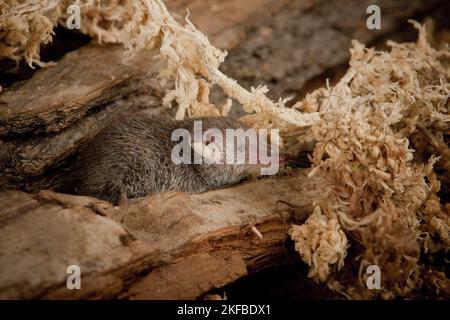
{"points": [[132, 158]]}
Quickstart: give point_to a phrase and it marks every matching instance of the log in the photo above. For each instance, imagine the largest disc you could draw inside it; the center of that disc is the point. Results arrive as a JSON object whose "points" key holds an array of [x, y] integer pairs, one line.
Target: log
{"points": [[170, 246], [307, 42], [34, 157], [226, 23], [40, 238], [56, 97]]}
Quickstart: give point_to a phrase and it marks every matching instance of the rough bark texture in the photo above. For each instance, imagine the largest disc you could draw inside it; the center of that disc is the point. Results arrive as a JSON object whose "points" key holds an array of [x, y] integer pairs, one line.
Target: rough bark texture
{"points": [[170, 246], [307, 39]]}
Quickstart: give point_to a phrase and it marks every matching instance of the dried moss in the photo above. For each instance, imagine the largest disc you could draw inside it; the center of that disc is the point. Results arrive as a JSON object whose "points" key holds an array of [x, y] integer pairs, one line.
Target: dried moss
{"points": [[385, 192]]}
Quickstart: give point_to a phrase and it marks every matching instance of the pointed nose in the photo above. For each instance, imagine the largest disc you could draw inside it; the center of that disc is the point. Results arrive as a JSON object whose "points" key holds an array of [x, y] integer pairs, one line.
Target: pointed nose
{"points": [[284, 158]]}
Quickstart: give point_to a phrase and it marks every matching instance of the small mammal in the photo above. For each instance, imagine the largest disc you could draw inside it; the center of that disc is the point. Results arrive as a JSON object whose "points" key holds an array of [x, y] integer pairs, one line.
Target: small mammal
{"points": [[131, 158]]}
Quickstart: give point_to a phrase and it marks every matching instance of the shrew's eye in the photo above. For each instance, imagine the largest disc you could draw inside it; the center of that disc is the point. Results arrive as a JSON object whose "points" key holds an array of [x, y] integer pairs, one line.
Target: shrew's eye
{"points": [[211, 139]]}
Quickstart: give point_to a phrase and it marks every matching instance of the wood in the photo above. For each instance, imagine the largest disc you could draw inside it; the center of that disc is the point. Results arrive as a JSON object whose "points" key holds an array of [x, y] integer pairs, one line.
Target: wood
{"points": [[307, 42], [40, 238], [35, 156], [58, 96], [170, 246], [226, 23]]}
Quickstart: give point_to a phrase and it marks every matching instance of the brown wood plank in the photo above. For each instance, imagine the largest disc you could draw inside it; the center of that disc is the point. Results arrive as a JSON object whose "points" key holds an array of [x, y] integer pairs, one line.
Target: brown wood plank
{"points": [[146, 249]]}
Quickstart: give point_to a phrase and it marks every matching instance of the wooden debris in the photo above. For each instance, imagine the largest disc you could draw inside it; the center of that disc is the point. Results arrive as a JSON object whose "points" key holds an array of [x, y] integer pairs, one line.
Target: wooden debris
{"points": [[173, 245]]}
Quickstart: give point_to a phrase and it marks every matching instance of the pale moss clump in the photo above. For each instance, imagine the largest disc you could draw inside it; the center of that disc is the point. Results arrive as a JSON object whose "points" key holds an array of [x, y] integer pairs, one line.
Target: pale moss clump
{"points": [[26, 25], [322, 244], [192, 63], [384, 186]]}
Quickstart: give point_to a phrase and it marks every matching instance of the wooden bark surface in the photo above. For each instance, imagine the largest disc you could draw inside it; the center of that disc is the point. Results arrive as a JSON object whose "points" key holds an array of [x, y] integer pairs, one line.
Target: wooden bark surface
{"points": [[169, 246], [307, 42]]}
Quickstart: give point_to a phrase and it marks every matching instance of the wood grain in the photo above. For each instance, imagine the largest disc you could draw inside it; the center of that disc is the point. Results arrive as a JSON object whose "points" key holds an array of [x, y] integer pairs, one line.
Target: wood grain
{"points": [[169, 246]]}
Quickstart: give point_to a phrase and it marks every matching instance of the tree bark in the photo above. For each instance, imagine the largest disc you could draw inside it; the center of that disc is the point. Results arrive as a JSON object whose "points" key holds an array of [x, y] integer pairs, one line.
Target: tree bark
{"points": [[169, 246]]}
